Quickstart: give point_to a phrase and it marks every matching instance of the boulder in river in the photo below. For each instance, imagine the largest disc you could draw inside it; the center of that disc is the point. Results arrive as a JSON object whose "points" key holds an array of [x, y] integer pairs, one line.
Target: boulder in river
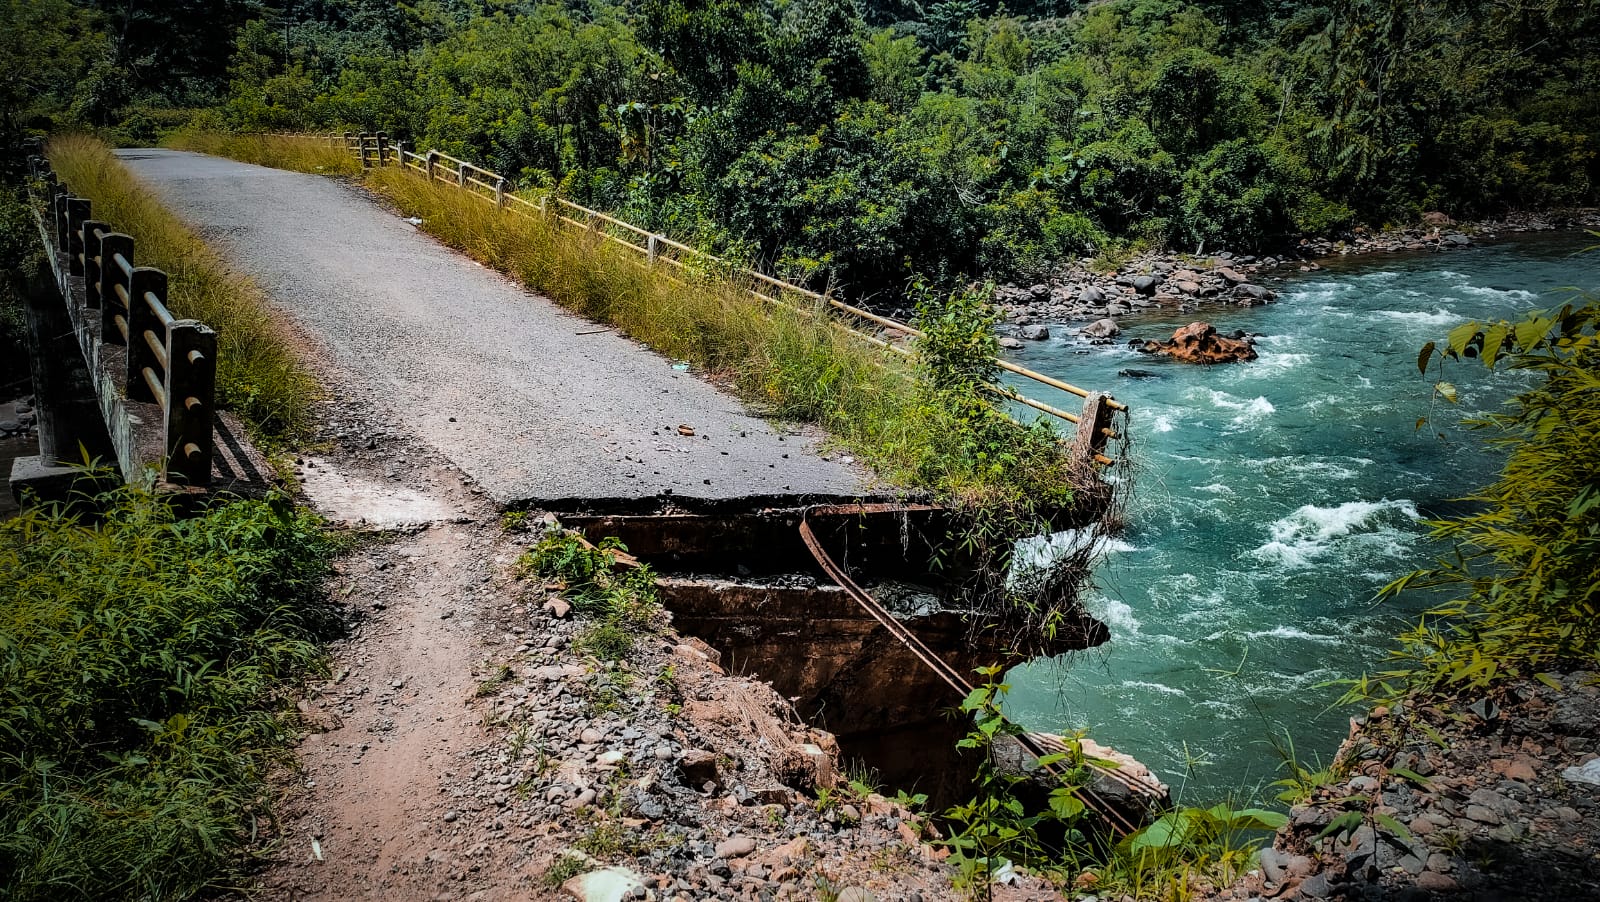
{"points": [[1200, 343], [1100, 328], [1033, 333]]}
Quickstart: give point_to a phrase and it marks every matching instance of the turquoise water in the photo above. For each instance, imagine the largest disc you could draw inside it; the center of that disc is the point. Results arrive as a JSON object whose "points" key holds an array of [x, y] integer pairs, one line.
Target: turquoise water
{"points": [[1271, 500]]}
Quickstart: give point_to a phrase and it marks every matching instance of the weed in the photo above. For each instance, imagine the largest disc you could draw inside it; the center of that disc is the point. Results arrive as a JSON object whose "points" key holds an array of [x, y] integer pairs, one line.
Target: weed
{"points": [[295, 153], [488, 687], [1301, 782], [606, 640], [258, 374], [142, 659], [564, 868]]}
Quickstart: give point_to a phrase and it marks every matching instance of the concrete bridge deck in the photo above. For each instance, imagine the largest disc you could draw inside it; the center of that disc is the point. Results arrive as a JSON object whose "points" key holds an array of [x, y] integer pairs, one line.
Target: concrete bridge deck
{"points": [[500, 380]]}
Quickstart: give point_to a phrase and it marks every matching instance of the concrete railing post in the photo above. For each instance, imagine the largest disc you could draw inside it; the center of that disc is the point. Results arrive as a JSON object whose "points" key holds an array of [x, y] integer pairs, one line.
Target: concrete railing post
{"points": [[191, 395], [500, 192], [430, 161], [58, 217], [461, 174], [111, 274], [382, 142], [78, 211], [362, 140], [92, 230], [650, 248], [142, 319]]}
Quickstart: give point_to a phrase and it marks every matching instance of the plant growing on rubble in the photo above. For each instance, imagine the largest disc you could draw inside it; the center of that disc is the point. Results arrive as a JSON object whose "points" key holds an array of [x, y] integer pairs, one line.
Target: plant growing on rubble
{"points": [[995, 831], [621, 599]]}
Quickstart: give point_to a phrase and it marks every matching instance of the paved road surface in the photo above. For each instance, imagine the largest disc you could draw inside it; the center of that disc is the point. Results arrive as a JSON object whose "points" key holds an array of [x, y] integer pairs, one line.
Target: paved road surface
{"points": [[541, 413]]}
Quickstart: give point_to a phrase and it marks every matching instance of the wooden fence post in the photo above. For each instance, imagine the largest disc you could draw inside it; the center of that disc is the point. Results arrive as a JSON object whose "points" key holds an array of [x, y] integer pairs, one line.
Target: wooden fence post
{"points": [[382, 141], [1092, 426], [91, 230], [111, 275], [191, 394], [142, 319], [431, 160], [78, 210]]}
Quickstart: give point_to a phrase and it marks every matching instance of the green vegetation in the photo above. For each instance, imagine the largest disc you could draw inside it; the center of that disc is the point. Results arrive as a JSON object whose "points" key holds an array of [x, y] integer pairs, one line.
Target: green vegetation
{"points": [[278, 151], [258, 373], [621, 600], [1524, 573], [1173, 857], [141, 663], [868, 143], [20, 254]]}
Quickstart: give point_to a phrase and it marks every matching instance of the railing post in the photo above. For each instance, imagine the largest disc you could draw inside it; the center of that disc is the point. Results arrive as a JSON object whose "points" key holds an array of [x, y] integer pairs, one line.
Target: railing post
{"points": [[382, 142], [91, 230], [142, 319], [110, 275], [78, 210], [191, 393], [461, 174], [650, 249], [544, 200], [500, 191], [58, 214], [362, 140], [1092, 426], [431, 160]]}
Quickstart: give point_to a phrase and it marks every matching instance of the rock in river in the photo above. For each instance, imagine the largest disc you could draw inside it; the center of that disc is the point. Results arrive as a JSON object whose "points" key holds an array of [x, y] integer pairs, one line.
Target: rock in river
{"points": [[1200, 343]]}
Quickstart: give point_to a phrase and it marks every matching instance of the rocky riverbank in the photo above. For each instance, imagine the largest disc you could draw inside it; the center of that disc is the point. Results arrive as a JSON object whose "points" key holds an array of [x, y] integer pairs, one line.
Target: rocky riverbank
{"points": [[1455, 796], [1080, 292]]}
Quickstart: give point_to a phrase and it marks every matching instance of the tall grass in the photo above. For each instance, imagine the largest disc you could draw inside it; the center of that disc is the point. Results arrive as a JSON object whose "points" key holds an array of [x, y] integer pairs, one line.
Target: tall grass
{"points": [[139, 657], [278, 151], [792, 362], [258, 374]]}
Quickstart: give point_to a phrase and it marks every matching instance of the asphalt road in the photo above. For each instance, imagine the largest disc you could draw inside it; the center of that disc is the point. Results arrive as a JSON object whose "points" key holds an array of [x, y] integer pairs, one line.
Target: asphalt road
{"points": [[495, 377]]}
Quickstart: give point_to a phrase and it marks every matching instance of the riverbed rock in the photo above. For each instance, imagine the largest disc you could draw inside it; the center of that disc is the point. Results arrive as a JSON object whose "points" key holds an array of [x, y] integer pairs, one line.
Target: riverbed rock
{"points": [[1033, 333], [1101, 328], [1200, 343], [1009, 343]]}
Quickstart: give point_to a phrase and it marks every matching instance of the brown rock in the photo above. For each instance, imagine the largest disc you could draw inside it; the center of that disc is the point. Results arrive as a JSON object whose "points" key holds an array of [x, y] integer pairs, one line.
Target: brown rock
{"points": [[698, 768], [1200, 343], [1433, 882]]}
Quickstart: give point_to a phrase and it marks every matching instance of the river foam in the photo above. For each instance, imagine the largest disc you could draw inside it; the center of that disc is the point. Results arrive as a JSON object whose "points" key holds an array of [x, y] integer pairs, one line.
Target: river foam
{"points": [[1313, 531]]}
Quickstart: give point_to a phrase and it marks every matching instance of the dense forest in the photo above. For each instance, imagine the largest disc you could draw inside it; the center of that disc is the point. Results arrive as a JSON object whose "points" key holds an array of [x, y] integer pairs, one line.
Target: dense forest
{"points": [[870, 142]]}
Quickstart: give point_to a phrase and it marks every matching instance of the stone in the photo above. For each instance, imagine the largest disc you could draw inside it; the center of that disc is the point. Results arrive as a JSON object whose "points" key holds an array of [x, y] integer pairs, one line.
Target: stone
{"points": [[1435, 882], [1316, 887], [1091, 296], [1436, 219], [1272, 865], [1101, 328], [1439, 863], [1144, 284], [856, 894], [1587, 773], [1009, 343], [1232, 275], [1200, 343], [1040, 292], [1034, 333], [1482, 814], [611, 884], [735, 847], [1187, 287], [699, 767], [590, 736]]}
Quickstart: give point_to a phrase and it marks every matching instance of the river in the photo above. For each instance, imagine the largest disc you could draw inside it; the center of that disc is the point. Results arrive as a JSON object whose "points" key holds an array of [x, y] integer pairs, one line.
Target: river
{"points": [[1271, 500]]}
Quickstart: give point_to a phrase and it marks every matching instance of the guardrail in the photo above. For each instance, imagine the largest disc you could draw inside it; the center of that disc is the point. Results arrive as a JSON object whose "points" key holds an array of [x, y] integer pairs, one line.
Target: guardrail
{"points": [[375, 149], [166, 361]]}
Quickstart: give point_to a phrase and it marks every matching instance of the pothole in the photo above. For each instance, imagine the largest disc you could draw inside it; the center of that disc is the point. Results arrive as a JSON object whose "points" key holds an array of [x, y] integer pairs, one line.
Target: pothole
{"points": [[355, 501]]}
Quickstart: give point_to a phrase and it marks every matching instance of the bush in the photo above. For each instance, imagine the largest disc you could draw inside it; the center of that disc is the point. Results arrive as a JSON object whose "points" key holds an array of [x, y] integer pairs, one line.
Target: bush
{"points": [[140, 656]]}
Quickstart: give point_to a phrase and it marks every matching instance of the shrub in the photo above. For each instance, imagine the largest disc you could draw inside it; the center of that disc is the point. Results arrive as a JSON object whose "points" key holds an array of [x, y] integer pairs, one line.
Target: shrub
{"points": [[140, 655]]}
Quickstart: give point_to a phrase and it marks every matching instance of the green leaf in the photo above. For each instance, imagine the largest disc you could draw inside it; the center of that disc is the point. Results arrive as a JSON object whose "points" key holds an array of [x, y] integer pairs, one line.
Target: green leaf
{"points": [[1411, 775], [1346, 823], [1064, 805], [1395, 828], [1549, 680], [1460, 337], [1492, 340]]}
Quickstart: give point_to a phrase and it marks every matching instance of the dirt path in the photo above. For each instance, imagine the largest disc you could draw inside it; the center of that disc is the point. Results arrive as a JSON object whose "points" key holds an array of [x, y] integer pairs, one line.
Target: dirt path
{"points": [[532, 402]]}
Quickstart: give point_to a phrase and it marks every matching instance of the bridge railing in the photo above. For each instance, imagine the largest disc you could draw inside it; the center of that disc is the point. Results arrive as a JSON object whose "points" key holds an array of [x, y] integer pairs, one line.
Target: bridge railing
{"points": [[166, 361], [1093, 422]]}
